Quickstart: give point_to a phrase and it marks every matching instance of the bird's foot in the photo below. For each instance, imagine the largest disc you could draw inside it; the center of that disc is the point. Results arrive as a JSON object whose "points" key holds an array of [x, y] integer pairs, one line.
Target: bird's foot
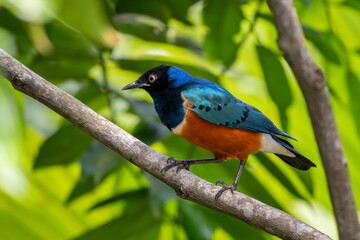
{"points": [[172, 162], [225, 187]]}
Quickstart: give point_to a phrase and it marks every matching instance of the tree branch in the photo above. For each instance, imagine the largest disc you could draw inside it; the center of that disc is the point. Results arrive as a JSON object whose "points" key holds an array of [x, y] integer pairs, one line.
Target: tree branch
{"points": [[314, 87], [187, 185]]}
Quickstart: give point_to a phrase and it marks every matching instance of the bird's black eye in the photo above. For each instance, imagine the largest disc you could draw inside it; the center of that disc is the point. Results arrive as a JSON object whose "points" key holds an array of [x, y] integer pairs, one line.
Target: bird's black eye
{"points": [[152, 78]]}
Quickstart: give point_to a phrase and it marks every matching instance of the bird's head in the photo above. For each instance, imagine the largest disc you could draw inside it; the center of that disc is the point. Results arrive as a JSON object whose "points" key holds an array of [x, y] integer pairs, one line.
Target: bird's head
{"points": [[160, 78]]}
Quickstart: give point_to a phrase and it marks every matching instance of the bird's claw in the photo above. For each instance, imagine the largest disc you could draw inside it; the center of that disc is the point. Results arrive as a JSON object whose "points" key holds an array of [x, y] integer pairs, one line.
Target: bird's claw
{"points": [[225, 187], [172, 162]]}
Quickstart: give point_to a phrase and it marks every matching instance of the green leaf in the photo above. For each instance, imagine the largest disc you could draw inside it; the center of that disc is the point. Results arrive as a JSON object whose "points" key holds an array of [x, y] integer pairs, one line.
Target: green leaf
{"points": [[127, 196], [135, 48], [223, 21], [195, 223], [12, 24], [306, 179], [91, 94], [354, 4], [162, 10], [96, 163], [150, 129], [70, 43], [160, 193], [83, 186], [358, 51], [232, 226], [276, 81], [144, 26], [137, 222], [59, 69], [325, 42], [73, 55], [65, 146], [353, 84], [267, 17], [279, 175], [24, 50], [92, 22]]}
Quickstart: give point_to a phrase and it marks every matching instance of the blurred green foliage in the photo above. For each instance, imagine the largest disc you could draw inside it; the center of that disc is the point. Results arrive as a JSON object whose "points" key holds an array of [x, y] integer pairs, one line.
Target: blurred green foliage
{"points": [[58, 183]]}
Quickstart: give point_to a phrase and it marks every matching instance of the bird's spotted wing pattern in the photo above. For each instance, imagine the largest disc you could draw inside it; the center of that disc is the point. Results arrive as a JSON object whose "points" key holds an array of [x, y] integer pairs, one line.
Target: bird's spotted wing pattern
{"points": [[215, 104]]}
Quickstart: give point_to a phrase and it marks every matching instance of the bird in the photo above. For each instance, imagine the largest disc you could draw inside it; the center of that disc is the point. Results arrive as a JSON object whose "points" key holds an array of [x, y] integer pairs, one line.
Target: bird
{"points": [[207, 115]]}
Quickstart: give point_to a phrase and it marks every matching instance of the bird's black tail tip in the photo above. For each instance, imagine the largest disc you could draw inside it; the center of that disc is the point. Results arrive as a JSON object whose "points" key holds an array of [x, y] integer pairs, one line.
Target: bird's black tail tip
{"points": [[299, 161]]}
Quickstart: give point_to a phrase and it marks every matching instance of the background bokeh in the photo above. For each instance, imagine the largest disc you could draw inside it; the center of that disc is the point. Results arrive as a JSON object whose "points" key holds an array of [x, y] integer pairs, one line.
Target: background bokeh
{"points": [[58, 183]]}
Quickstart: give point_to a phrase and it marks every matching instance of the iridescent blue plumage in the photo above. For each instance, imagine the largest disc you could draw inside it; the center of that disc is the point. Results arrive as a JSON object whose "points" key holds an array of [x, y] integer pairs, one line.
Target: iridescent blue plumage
{"points": [[216, 105]]}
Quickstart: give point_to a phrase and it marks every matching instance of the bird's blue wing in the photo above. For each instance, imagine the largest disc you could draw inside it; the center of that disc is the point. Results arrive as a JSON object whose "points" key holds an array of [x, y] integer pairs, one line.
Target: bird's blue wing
{"points": [[215, 104]]}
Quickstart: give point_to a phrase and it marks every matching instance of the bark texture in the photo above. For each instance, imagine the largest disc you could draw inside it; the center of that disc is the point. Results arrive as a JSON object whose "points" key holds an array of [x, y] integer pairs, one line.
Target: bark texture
{"points": [[314, 87], [187, 185]]}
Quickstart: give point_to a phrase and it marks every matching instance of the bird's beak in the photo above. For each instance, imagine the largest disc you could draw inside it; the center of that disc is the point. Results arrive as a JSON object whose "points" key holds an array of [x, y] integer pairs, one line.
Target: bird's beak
{"points": [[140, 83], [132, 86]]}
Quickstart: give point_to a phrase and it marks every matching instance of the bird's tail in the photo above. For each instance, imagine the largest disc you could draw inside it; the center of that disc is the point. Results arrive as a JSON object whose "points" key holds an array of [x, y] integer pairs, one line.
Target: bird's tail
{"points": [[299, 161]]}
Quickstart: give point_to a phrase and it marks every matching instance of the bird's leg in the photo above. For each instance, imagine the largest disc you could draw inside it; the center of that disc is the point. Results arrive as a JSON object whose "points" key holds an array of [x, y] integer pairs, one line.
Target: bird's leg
{"points": [[185, 164], [233, 186]]}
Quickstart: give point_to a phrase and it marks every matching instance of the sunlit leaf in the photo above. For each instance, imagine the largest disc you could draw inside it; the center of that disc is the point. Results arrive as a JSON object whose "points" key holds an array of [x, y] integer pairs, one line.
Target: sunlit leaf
{"points": [[134, 48], [93, 22]]}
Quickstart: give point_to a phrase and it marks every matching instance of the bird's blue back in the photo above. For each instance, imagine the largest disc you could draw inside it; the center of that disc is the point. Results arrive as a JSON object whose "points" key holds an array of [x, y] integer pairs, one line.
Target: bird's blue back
{"points": [[211, 102]]}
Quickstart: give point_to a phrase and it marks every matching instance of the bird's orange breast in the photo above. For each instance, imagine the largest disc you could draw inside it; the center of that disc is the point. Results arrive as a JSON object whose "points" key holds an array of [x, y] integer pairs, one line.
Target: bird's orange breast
{"points": [[224, 142]]}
